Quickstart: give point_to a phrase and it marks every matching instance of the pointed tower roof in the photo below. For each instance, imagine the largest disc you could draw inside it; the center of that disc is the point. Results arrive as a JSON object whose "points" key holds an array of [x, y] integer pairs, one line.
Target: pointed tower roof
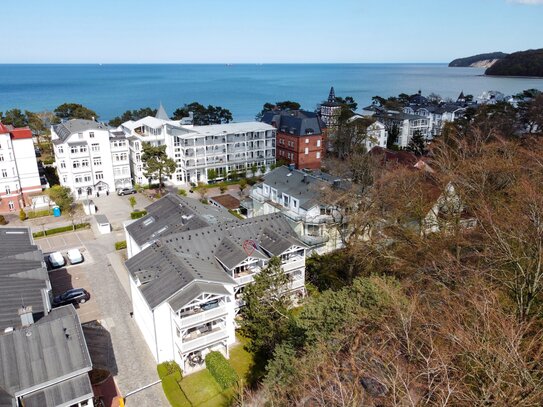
{"points": [[161, 113], [332, 95], [461, 97]]}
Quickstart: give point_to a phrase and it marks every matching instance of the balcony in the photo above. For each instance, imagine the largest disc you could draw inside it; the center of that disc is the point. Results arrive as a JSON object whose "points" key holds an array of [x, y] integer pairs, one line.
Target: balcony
{"points": [[244, 278], [197, 341], [293, 263], [201, 317]]}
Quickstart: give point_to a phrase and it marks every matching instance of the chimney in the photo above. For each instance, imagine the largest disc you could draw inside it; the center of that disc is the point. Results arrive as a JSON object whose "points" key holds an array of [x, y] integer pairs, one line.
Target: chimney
{"points": [[305, 179], [25, 313]]}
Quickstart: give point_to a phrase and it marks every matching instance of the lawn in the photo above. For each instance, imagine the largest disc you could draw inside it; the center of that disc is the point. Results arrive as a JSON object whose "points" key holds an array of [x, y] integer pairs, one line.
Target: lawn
{"points": [[201, 390]]}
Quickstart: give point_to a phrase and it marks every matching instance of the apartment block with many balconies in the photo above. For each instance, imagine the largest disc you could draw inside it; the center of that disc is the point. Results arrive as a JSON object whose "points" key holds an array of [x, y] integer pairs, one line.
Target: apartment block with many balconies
{"points": [[197, 150], [91, 158], [188, 268]]}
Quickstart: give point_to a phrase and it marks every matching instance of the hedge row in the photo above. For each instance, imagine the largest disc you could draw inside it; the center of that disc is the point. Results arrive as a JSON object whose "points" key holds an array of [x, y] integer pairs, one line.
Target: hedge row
{"points": [[62, 229], [39, 214], [120, 245], [138, 214], [221, 370], [170, 374]]}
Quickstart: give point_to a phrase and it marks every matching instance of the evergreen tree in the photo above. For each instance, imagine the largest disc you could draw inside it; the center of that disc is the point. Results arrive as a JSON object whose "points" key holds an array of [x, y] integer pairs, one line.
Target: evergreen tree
{"points": [[157, 163]]}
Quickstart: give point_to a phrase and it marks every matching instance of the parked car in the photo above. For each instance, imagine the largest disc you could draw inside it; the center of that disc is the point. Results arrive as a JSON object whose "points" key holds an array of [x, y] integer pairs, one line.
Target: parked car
{"points": [[75, 256], [73, 296], [126, 191], [56, 260]]}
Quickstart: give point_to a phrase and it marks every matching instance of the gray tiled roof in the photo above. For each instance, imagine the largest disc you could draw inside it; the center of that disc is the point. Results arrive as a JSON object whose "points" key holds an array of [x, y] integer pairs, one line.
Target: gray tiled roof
{"points": [[23, 276], [295, 122], [68, 392], [297, 184], [177, 259], [48, 351], [66, 129], [172, 214]]}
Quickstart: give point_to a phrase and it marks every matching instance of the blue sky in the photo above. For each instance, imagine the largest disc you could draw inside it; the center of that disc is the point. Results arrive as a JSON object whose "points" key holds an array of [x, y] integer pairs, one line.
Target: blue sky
{"points": [[235, 31]]}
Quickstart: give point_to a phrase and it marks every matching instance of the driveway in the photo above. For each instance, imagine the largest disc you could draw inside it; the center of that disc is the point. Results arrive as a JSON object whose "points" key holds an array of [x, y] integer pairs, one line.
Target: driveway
{"points": [[117, 208]]}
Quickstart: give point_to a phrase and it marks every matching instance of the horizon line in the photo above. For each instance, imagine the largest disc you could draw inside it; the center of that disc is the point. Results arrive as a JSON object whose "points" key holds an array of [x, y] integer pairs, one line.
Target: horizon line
{"points": [[221, 63]]}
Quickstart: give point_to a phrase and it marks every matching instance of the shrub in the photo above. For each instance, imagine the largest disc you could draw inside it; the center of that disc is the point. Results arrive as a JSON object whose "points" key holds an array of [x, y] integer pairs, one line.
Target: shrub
{"points": [[235, 213], [138, 214], [221, 370], [120, 245], [39, 214], [48, 161], [22, 214], [168, 368], [182, 192], [3, 220]]}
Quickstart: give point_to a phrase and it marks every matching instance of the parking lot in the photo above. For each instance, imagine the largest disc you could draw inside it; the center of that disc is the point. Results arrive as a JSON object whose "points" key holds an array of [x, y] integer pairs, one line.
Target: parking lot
{"points": [[65, 242]]}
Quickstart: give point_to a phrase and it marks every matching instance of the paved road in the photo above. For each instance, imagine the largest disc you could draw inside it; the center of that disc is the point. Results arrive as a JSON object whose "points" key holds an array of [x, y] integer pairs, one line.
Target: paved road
{"points": [[136, 366]]}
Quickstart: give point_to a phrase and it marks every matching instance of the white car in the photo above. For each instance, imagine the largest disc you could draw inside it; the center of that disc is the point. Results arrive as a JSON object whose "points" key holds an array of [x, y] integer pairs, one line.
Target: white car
{"points": [[56, 260], [75, 256]]}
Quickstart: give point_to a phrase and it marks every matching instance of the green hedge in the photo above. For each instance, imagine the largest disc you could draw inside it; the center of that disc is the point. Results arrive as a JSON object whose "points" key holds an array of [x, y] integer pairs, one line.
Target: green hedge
{"points": [[168, 368], [235, 213], [170, 374], [62, 229], [138, 214], [48, 161], [39, 214], [221, 369], [120, 245]]}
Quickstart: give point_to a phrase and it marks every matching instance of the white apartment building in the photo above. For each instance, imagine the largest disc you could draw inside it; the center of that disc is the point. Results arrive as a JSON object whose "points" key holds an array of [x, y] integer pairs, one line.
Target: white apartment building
{"points": [[297, 196], [407, 125], [188, 266], [198, 149], [90, 157], [19, 174]]}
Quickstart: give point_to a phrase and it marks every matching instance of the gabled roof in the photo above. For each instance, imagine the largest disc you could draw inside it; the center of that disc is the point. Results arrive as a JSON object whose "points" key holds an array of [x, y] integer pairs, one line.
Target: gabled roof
{"points": [[192, 291], [23, 276], [178, 259], [43, 354], [173, 214]]}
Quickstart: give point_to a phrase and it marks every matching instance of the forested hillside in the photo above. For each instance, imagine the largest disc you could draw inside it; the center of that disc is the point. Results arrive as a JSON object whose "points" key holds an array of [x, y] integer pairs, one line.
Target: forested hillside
{"points": [[524, 63], [412, 316]]}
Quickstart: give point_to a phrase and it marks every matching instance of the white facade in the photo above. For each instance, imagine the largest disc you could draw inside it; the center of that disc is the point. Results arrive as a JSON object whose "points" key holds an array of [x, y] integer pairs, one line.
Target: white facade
{"points": [[198, 149], [90, 158], [19, 174]]}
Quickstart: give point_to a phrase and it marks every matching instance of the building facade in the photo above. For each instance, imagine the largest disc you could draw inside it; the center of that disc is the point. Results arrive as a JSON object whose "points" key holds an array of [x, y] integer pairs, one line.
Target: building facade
{"points": [[298, 197], [299, 137], [19, 176], [188, 267], [91, 158], [197, 150]]}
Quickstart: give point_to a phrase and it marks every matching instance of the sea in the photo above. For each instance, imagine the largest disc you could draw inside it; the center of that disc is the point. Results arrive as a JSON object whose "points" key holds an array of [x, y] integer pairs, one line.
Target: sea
{"points": [[111, 89]]}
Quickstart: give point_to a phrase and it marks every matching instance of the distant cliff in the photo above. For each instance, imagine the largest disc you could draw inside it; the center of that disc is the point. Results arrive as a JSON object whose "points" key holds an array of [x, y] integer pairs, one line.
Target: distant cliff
{"points": [[478, 61], [523, 63]]}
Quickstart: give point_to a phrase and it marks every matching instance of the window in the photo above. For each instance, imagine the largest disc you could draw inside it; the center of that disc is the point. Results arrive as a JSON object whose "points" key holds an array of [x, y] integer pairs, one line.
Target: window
{"points": [[99, 175], [62, 164], [76, 164], [4, 173], [80, 136], [318, 154], [11, 205], [73, 149], [97, 161], [95, 147], [306, 151], [64, 178], [285, 200], [8, 190], [318, 143], [306, 141], [78, 179], [85, 163], [82, 149], [266, 190], [60, 149], [87, 178], [91, 134], [1, 157], [294, 203]]}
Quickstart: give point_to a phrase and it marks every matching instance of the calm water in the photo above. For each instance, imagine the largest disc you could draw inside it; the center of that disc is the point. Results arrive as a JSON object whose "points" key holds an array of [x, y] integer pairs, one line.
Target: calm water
{"points": [[112, 89]]}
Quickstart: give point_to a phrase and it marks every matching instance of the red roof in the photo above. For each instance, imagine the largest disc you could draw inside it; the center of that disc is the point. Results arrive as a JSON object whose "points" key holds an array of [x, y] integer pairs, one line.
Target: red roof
{"points": [[21, 133], [3, 129]]}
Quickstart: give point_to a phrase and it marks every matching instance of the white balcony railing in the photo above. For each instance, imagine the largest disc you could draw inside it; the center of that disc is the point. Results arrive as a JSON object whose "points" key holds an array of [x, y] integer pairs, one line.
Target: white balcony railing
{"points": [[201, 317], [293, 263], [190, 345], [241, 280]]}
